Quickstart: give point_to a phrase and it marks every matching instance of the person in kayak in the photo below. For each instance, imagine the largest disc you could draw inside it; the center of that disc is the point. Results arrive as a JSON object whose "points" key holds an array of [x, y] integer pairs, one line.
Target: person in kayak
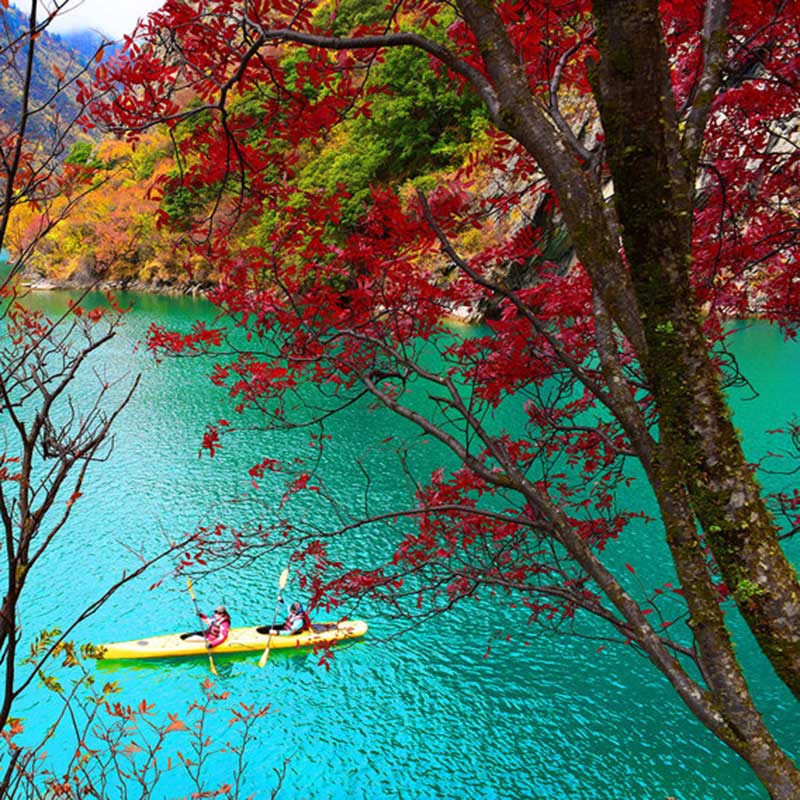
{"points": [[297, 620], [218, 626]]}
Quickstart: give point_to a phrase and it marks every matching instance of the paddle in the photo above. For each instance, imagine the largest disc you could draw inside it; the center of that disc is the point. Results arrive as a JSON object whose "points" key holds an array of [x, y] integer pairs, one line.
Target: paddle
{"points": [[281, 584], [197, 608]]}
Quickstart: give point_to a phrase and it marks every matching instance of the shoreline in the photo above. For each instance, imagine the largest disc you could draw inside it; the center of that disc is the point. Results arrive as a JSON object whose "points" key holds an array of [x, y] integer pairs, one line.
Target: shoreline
{"points": [[461, 315], [42, 284]]}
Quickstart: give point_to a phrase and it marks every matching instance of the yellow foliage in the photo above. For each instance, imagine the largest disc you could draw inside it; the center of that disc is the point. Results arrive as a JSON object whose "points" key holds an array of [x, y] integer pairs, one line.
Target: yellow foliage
{"points": [[113, 233]]}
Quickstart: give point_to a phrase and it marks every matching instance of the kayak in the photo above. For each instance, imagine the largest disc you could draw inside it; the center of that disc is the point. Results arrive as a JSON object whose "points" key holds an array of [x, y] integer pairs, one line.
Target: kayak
{"points": [[240, 640]]}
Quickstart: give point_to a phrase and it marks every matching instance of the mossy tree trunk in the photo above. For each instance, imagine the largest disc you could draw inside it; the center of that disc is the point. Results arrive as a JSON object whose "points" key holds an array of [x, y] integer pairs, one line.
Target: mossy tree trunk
{"points": [[696, 465], [653, 180]]}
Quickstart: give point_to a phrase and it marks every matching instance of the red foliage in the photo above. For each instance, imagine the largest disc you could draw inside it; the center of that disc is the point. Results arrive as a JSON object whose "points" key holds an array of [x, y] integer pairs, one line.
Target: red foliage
{"points": [[352, 310]]}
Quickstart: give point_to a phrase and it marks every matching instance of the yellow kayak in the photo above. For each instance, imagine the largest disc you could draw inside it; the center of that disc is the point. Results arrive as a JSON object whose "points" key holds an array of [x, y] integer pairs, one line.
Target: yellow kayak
{"points": [[240, 640]]}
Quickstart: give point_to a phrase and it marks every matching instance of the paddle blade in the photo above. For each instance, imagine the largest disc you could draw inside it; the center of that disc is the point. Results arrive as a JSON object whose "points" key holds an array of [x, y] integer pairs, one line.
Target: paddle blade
{"points": [[212, 665], [282, 580], [190, 588]]}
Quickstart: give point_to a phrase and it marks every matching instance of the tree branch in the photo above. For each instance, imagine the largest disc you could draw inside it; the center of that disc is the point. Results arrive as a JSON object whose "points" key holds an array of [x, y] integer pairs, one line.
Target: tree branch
{"points": [[401, 39], [715, 40]]}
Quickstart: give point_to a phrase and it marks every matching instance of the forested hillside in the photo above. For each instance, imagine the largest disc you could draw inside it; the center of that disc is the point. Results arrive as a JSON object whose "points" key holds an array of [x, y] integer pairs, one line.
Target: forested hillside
{"points": [[415, 132]]}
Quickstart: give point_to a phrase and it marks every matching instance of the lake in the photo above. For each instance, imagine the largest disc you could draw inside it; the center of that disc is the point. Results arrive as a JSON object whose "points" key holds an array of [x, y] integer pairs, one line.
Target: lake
{"points": [[424, 714]]}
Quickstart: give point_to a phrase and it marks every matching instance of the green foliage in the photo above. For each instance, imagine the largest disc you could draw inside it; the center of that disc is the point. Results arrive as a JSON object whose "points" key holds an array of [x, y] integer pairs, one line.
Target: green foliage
{"points": [[665, 328], [290, 65], [357, 168], [416, 124], [423, 121], [747, 590], [145, 165], [83, 154], [351, 14], [200, 118], [181, 204], [40, 644]]}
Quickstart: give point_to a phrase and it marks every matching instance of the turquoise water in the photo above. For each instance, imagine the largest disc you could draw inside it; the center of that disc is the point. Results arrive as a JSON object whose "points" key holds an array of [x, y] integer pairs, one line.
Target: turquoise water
{"points": [[419, 715]]}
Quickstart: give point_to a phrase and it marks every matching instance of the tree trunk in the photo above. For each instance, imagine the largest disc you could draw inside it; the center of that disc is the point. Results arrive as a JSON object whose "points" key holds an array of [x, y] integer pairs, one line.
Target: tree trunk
{"points": [[653, 198], [774, 768], [699, 468]]}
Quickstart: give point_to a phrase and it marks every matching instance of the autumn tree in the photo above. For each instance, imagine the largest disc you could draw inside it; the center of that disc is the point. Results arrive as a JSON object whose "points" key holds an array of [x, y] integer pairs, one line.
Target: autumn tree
{"points": [[48, 441], [51, 435], [661, 138], [116, 237], [38, 126]]}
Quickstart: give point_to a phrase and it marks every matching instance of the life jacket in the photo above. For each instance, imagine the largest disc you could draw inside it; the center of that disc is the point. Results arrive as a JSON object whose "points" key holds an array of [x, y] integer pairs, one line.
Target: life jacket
{"points": [[215, 627], [302, 614]]}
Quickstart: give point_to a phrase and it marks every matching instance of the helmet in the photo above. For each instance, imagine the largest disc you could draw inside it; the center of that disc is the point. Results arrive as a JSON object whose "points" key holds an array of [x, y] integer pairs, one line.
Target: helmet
{"points": [[295, 607], [220, 610]]}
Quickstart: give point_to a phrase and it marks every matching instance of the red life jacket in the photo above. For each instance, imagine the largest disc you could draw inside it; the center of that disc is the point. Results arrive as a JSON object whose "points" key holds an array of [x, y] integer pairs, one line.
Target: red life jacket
{"points": [[218, 626], [302, 614]]}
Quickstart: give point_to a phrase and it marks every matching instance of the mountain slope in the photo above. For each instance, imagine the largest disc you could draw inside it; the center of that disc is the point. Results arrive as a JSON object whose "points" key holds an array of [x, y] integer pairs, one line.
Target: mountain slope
{"points": [[56, 63]]}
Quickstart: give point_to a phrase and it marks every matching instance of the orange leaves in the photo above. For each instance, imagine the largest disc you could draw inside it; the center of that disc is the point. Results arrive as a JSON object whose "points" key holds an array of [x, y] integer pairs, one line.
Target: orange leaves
{"points": [[145, 707], [131, 749], [175, 724], [60, 788], [116, 230], [127, 712], [13, 728], [248, 712]]}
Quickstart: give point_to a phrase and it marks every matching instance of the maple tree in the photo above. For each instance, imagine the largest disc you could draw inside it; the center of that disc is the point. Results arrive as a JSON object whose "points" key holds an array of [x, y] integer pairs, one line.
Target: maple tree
{"points": [[674, 176]]}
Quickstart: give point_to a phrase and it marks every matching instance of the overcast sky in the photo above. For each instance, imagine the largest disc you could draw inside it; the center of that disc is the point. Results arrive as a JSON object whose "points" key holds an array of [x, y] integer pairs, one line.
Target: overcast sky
{"points": [[111, 17]]}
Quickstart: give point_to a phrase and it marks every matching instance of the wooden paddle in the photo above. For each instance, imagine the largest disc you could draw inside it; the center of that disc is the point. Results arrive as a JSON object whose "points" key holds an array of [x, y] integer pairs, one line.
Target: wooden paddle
{"points": [[281, 584], [197, 608]]}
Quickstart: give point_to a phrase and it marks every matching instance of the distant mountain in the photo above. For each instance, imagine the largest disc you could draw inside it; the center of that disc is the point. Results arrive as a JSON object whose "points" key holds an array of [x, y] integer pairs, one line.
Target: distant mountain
{"points": [[84, 43], [58, 57]]}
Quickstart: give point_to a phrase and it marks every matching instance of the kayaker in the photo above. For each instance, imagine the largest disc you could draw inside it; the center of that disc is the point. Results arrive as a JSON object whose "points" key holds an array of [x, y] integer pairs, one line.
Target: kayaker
{"points": [[297, 620], [218, 626]]}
